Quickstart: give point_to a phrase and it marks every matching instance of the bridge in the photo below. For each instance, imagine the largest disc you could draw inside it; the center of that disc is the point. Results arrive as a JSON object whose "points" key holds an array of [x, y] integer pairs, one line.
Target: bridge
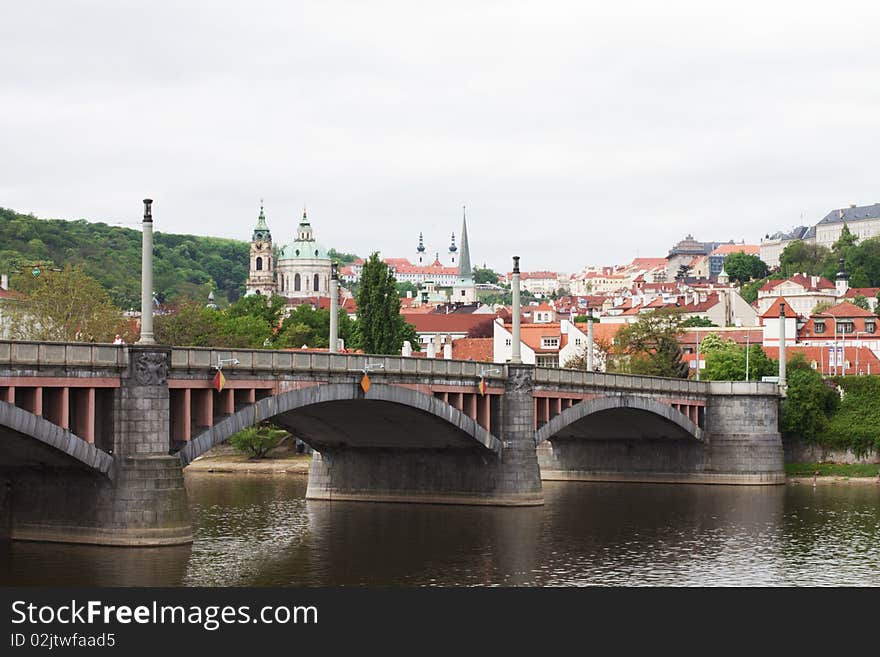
{"points": [[94, 438]]}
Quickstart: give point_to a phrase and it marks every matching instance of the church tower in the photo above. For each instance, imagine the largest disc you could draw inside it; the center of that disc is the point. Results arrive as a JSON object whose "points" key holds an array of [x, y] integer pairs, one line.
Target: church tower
{"points": [[453, 253], [261, 276], [464, 290], [420, 251]]}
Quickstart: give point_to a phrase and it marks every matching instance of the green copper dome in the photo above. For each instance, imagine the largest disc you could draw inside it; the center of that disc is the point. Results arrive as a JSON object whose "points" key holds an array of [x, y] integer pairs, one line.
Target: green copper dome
{"points": [[304, 250]]}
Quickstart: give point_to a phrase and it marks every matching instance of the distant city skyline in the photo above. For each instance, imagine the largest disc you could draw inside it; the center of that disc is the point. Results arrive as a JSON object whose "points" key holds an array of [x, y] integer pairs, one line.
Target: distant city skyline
{"points": [[576, 133]]}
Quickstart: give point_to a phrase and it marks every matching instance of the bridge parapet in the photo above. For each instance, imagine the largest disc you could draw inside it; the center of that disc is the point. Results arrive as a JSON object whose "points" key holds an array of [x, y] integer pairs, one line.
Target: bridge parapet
{"points": [[625, 382], [62, 354], [271, 363]]}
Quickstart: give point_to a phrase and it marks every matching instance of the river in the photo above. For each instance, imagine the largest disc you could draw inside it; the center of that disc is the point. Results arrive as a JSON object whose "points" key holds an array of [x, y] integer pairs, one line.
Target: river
{"points": [[258, 530]]}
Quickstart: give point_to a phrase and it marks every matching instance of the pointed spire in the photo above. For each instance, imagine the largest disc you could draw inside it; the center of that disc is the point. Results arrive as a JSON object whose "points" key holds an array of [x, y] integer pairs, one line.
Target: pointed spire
{"points": [[464, 260], [305, 218], [261, 230], [421, 247], [452, 247]]}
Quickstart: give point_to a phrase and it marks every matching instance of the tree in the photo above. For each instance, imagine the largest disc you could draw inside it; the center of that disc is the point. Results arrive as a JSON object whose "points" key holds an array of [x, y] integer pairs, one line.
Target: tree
{"points": [[485, 329], [306, 326], [189, 325], [341, 258], [809, 402], [801, 257], [697, 321], [485, 275], [743, 267], [865, 257], [266, 308], [728, 363], [651, 344], [66, 306], [683, 272], [601, 350], [407, 286], [714, 342], [258, 441], [380, 327], [821, 307], [859, 278], [844, 243], [861, 301]]}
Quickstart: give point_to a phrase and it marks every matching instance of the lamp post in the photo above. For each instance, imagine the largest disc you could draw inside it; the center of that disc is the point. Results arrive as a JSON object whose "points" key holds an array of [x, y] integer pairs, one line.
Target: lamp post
{"points": [[859, 348], [698, 357], [147, 276], [748, 337], [334, 308], [515, 356], [590, 340], [782, 363]]}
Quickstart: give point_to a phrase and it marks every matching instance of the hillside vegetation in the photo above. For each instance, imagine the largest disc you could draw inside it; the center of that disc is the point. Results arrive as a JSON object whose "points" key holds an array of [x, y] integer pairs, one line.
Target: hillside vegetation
{"points": [[185, 266]]}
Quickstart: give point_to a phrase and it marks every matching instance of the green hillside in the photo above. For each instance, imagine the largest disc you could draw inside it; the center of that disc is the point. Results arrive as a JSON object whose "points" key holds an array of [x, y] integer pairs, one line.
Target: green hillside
{"points": [[184, 265]]}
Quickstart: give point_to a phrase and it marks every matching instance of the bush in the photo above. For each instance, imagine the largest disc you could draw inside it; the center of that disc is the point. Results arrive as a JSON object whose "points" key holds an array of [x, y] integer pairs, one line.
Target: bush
{"points": [[258, 441], [856, 424], [809, 402]]}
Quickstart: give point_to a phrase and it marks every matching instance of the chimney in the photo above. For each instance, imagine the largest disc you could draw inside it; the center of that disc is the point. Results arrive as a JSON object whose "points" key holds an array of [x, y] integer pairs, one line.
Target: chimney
{"points": [[4, 281]]}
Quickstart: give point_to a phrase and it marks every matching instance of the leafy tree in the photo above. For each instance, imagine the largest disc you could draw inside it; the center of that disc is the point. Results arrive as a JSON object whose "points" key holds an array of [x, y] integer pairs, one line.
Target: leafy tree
{"points": [[269, 309], [485, 329], [380, 328], [844, 243], [258, 441], [800, 256], [728, 363], [743, 267], [865, 257], [861, 301], [190, 325], [66, 306], [310, 327], [697, 321], [683, 272], [714, 342], [651, 344], [859, 278], [486, 275], [809, 401], [407, 286], [821, 307], [601, 350], [342, 258]]}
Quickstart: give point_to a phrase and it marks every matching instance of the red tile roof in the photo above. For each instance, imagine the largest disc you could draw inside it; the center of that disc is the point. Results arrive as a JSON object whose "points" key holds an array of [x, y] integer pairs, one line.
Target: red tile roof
{"points": [[819, 355], [773, 310], [803, 280], [847, 309], [481, 349], [725, 249], [853, 292], [443, 323]]}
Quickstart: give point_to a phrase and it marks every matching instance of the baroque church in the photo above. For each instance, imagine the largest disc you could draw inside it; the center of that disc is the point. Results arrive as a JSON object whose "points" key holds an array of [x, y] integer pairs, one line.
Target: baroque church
{"points": [[302, 269]]}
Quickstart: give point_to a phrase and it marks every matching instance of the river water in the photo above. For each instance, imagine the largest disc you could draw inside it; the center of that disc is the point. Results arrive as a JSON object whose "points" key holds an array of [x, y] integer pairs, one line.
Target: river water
{"points": [[255, 530]]}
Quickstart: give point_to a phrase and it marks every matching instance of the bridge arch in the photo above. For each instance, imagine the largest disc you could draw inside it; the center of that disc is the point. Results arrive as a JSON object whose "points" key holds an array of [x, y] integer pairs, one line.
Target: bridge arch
{"points": [[664, 420], [30, 440], [328, 415]]}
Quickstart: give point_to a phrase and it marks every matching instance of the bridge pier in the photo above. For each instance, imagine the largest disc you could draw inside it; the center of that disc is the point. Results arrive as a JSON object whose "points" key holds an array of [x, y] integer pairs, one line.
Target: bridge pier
{"points": [[140, 499], [635, 440], [442, 476]]}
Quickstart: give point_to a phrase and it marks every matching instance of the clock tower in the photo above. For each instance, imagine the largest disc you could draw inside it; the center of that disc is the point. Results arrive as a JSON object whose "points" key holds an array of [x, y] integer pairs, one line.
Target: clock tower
{"points": [[261, 277]]}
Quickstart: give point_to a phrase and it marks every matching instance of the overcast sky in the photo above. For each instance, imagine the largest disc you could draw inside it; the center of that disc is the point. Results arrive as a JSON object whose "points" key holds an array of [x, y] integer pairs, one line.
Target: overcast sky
{"points": [[575, 132]]}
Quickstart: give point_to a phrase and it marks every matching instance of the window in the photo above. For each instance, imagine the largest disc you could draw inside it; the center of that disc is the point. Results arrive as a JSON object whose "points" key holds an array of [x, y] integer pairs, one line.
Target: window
{"points": [[549, 343], [845, 327], [508, 342], [870, 326], [297, 283], [259, 264], [820, 326], [317, 283], [577, 342]]}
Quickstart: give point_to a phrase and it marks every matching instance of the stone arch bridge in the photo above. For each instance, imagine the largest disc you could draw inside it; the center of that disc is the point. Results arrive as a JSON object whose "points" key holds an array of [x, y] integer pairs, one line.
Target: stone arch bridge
{"points": [[94, 438]]}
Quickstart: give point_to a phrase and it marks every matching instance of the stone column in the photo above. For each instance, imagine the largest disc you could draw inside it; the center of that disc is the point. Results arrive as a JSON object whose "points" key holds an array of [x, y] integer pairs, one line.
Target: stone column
{"points": [[590, 342], [149, 505], [334, 308], [782, 363], [147, 277], [515, 355], [520, 477]]}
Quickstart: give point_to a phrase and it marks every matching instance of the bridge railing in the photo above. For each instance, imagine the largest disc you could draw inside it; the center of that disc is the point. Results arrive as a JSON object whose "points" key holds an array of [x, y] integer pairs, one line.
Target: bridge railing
{"points": [[259, 360], [61, 354], [576, 378]]}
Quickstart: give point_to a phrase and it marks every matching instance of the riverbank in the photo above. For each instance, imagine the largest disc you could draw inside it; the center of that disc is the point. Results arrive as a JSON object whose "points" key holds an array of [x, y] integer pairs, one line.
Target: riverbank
{"points": [[292, 463], [833, 473]]}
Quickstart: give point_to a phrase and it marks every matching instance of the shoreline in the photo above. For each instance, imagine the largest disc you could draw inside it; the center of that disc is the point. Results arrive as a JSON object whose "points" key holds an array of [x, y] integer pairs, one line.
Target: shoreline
{"points": [[299, 465]]}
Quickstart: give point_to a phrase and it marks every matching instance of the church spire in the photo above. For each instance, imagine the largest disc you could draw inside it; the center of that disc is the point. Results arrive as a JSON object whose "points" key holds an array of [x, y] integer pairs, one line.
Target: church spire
{"points": [[421, 246], [261, 230], [464, 260]]}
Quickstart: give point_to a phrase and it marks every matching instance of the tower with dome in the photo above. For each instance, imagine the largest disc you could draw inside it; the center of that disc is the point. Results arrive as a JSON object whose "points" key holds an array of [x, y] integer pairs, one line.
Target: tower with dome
{"points": [[302, 269]]}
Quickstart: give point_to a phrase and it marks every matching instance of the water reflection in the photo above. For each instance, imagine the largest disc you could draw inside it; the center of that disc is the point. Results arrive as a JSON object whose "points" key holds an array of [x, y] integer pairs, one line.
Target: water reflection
{"points": [[259, 530]]}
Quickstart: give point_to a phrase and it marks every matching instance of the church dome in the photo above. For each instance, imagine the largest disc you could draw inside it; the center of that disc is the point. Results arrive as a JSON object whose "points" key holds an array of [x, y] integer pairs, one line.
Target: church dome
{"points": [[304, 250]]}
